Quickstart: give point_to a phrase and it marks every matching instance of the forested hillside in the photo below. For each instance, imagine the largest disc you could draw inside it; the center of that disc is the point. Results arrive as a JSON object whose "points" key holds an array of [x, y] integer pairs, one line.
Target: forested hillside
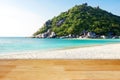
{"points": [[80, 19]]}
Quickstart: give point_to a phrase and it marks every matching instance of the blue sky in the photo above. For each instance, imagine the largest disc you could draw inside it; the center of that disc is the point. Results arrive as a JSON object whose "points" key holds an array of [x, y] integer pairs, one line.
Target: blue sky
{"points": [[24, 17]]}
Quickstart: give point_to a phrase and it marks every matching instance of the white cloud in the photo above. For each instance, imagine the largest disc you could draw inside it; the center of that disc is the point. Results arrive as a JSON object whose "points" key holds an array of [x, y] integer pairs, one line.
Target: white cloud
{"points": [[18, 22]]}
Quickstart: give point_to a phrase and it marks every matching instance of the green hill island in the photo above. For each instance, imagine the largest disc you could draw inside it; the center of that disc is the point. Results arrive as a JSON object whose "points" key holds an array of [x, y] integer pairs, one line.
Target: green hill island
{"points": [[81, 21]]}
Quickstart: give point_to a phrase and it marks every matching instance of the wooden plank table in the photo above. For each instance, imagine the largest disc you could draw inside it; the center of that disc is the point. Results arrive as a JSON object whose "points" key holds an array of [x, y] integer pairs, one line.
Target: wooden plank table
{"points": [[59, 69]]}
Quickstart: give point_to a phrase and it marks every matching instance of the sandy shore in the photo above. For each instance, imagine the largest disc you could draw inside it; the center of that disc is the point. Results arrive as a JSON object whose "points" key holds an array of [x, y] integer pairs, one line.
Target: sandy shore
{"points": [[109, 51]]}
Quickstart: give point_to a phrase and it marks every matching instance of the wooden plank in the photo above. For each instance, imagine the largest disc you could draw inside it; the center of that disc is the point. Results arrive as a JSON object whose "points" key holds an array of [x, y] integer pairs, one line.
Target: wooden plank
{"points": [[59, 69]]}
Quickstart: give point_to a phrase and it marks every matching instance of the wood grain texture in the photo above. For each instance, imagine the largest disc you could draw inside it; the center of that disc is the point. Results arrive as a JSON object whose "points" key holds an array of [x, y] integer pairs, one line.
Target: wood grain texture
{"points": [[59, 69]]}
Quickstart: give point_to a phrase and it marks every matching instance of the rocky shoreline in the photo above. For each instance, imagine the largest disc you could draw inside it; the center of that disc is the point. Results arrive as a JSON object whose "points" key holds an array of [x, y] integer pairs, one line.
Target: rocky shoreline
{"points": [[84, 34]]}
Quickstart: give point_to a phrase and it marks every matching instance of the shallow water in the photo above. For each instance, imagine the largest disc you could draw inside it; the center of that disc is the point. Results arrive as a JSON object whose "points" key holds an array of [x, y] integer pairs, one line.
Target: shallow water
{"points": [[17, 44]]}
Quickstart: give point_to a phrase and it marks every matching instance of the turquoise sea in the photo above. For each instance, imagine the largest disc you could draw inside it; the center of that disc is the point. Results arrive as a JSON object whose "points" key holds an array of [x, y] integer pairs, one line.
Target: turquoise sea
{"points": [[19, 44]]}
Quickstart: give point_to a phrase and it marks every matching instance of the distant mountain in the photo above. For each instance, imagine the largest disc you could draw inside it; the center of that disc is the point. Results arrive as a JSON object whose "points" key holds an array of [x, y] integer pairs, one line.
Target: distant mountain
{"points": [[81, 20]]}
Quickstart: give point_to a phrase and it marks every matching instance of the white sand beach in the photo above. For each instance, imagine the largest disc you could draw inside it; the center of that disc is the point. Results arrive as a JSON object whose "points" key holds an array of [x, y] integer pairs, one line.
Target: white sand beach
{"points": [[108, 51]]}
